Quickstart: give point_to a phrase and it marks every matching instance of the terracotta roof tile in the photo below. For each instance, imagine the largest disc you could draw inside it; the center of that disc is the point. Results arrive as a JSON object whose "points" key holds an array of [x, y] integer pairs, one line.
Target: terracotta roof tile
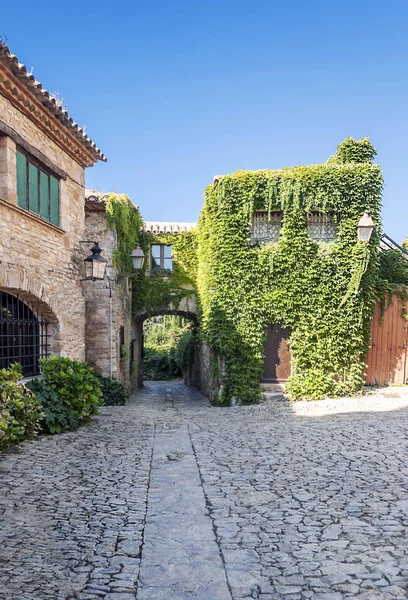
{"points": [[167, 227], [20, 71]]}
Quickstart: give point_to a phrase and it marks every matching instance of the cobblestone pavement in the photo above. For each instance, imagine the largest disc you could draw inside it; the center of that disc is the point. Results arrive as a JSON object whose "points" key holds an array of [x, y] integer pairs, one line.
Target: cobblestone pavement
{"points": [[170, 499]]}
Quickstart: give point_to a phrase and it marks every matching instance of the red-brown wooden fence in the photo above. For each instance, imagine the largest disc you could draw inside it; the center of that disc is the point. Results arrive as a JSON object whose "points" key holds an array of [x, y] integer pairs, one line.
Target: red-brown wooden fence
{"points": [[387, 358]]}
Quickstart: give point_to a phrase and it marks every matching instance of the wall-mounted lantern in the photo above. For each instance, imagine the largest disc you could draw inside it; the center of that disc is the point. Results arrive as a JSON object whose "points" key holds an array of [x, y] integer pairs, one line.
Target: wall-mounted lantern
{"points": [[365, 227], [95, 265], [138, 257]]}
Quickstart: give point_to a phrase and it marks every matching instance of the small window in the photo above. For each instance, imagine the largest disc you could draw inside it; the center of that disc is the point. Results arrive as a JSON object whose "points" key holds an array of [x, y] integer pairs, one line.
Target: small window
{"points": [[161, 256], [37, 188], [266, 227], [322, 227]]}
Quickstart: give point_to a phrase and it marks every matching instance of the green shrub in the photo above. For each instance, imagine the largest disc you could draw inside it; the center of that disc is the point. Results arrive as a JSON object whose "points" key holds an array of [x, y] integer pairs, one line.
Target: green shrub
{"points": [[159, 364], [56, 419], [20, 411], [78, 390], [113, 392], [184, 351]]}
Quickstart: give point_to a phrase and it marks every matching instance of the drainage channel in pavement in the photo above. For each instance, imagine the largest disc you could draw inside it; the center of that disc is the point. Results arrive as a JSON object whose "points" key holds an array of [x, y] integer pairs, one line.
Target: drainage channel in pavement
{"points": [[180, 557]]}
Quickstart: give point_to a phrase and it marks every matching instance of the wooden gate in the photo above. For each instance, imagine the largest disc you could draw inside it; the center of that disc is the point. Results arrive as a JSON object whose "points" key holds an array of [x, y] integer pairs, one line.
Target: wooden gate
{"points": [[387, 357], [277, 354]]}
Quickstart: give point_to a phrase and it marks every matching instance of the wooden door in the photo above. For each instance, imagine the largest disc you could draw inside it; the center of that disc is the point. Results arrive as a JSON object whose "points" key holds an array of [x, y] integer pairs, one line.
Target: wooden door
{"points": [[387, 360], [277, 354]]}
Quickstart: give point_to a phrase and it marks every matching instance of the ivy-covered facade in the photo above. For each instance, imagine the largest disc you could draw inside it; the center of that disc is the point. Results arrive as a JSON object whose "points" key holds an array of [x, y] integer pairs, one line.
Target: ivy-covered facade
{"points": [[270, 247], [323, 291]]}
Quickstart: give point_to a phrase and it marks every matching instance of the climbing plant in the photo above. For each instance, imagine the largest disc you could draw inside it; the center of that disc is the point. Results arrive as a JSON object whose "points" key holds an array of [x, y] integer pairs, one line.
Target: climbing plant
{"points": [[324, 292], [124, 217], [157, 291]]}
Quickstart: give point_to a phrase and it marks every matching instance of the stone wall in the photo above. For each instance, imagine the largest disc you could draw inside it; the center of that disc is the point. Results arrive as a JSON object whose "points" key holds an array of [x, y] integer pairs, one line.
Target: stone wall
{"points": [[38, 260], [108, 305]]}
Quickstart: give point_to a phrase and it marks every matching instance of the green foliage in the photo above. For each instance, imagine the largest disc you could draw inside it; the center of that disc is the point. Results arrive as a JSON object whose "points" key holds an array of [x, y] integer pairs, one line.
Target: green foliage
{"points": [[392, 278], [155, 292], [184, 350], [324, 292], [77, 388], [20, 411], [405, 244], [124, 217], [56, 417], [159, 365], [354, 151], [124, 352], [113, 392], [167, 347]]}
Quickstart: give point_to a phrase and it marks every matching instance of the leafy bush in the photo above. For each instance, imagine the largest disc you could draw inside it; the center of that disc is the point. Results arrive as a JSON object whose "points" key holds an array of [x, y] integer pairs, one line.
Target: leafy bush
{"points": [[113, 392], [20, 411], [77, 388], [56, 419], [184, 351], [159, 364], [168, 347]]}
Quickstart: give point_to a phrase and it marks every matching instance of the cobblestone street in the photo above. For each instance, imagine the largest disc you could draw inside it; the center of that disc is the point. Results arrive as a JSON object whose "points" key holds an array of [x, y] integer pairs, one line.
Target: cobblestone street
{"points": [[168, 498]]}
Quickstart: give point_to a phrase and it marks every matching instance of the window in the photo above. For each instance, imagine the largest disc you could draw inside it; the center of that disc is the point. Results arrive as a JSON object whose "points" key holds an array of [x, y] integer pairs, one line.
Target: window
{"points": [[266, 227], [161, 255], [322, 227], [37, 188], [23, 335]]}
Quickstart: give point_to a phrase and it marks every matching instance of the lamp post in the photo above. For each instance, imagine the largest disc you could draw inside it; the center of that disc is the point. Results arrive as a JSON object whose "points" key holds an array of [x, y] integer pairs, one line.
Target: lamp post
{"points": [[365, 227]]}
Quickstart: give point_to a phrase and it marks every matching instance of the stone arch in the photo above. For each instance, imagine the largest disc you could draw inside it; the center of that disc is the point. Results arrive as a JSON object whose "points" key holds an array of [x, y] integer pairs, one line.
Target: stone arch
{"points": [[31, 292], [184, 309]]}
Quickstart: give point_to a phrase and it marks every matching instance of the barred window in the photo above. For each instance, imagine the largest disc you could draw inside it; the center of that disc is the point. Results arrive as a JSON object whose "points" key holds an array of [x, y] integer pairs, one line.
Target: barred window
{"points": [[322, 227], [23, 335], [37, 188], [266, 227]]}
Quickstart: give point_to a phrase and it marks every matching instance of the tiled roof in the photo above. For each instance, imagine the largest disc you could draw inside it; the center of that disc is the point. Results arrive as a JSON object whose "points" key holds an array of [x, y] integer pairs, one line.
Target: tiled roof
{"points": [[166, 227], [28, 80]]}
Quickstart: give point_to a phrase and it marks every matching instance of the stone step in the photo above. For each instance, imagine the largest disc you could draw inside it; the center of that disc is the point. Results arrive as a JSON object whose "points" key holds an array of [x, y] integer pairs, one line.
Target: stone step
{"points": [[273, 387]]}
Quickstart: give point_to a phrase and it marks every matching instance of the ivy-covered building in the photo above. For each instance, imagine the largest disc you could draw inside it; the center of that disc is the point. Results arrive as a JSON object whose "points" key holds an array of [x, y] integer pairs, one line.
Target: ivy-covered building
{"points": [[281, 269], [283, 289]]}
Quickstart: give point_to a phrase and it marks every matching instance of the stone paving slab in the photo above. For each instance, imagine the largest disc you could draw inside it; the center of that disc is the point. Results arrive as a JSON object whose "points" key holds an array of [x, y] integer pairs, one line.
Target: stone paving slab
{"points": [[180, 557]]}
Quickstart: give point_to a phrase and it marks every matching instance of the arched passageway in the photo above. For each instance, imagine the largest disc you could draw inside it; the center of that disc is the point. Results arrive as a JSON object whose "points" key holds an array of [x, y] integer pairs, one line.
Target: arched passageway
{"points": [[155, 338]]}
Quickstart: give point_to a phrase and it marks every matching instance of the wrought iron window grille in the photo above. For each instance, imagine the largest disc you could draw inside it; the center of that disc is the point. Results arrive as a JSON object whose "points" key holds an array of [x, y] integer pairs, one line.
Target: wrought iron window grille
{"points": [[322, 227], [266, 226], [23, 335]]}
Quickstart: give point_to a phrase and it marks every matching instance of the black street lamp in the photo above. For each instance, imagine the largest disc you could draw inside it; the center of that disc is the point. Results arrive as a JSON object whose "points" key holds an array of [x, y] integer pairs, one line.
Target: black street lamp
{"points": [[95, 265]]}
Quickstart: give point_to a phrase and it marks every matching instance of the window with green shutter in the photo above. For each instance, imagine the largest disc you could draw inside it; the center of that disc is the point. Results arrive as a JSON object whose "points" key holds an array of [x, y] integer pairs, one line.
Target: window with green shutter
{"points": [[37, 188]]}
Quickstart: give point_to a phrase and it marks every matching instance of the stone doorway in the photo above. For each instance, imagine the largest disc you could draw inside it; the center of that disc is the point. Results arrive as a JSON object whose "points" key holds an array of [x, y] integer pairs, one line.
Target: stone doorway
{"points": [[277, 364]]}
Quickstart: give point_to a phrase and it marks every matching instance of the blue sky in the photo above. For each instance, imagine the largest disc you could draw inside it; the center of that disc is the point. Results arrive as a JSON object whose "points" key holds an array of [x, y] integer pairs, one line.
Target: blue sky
{"points": [[175, 92]]}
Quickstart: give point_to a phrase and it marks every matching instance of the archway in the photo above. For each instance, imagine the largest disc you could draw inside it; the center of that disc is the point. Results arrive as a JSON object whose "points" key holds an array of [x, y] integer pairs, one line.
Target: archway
{"points": [[277, 363], [26, 331], [137, 349]]}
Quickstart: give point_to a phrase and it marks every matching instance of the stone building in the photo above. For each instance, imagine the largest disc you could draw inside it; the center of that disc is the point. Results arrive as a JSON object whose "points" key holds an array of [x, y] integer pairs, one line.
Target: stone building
{"points": [[108, 303], [43, 157]]}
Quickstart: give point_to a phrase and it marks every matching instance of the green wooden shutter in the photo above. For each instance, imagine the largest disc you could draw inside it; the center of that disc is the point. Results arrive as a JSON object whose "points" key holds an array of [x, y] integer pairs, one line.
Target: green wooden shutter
{"points": [[33, 200], [21, 179], [54, 200], [44, 199]]}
